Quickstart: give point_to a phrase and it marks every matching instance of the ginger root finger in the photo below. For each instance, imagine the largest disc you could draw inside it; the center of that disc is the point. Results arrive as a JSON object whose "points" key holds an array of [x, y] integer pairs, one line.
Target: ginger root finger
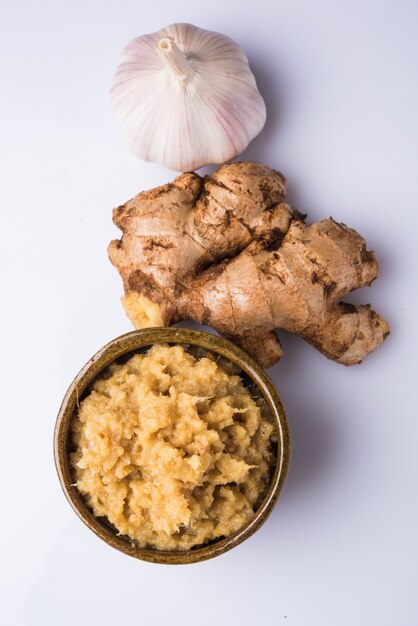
{"points": [[264, 346], [143, 312]]}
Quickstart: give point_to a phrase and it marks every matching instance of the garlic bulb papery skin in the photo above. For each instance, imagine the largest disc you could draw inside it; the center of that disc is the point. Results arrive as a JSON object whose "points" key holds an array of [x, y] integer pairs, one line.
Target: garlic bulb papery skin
{"points": [[186, 98]]}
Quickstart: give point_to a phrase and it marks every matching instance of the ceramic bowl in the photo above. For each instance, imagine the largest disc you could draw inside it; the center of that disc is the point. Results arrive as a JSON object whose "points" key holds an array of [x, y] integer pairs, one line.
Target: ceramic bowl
{"points": [[139, 341]]}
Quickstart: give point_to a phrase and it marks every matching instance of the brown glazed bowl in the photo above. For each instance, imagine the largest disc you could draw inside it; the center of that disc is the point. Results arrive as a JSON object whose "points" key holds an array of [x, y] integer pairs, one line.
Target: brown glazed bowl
{"points": [[138, 341]]}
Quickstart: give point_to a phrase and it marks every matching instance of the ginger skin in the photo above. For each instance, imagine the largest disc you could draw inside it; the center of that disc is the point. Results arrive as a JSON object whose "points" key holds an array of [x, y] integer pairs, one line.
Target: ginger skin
{"points": [[225, 250]]}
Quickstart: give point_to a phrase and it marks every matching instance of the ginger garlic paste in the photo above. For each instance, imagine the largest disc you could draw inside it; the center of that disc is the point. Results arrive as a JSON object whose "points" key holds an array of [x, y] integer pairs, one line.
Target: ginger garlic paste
{"points": [[172, 449]]}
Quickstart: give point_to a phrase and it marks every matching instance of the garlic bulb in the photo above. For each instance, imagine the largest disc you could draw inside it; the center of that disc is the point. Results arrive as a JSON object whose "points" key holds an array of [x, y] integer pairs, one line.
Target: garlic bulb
{"points": [[186, 98]]}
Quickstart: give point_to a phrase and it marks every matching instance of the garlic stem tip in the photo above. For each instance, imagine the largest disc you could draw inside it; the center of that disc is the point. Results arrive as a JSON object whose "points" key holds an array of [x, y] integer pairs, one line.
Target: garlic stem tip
{"points": [[175, 58], [165, 44]]}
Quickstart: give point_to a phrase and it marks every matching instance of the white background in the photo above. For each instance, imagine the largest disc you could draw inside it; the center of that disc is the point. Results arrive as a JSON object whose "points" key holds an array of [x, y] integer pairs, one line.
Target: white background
{"points": [[340, 83]]}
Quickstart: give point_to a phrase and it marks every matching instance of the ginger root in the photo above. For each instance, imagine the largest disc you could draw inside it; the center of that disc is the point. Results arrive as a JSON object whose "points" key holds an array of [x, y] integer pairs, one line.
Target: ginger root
{"points": [[227, 251]]}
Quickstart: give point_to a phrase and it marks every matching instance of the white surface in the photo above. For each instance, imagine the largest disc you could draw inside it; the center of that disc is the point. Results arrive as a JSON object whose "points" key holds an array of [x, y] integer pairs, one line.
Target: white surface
{"points": [[340, 84]]}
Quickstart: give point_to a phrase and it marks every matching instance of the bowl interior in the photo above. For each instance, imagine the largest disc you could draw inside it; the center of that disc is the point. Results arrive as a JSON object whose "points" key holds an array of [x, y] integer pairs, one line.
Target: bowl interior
{"points": [[120, 350]]}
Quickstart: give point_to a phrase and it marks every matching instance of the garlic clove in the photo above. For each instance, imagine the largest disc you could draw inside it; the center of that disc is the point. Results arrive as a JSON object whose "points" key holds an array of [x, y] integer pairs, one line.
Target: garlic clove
{"points": [[186, 98]]}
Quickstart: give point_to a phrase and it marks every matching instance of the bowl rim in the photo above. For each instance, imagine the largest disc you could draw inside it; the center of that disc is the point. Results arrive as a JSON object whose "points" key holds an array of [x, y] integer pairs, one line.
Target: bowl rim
{"points": [[138, 340]]}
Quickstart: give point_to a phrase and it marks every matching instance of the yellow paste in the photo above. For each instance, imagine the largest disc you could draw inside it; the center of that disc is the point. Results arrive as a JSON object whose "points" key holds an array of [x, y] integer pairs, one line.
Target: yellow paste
{"points": [[172, 449]]}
